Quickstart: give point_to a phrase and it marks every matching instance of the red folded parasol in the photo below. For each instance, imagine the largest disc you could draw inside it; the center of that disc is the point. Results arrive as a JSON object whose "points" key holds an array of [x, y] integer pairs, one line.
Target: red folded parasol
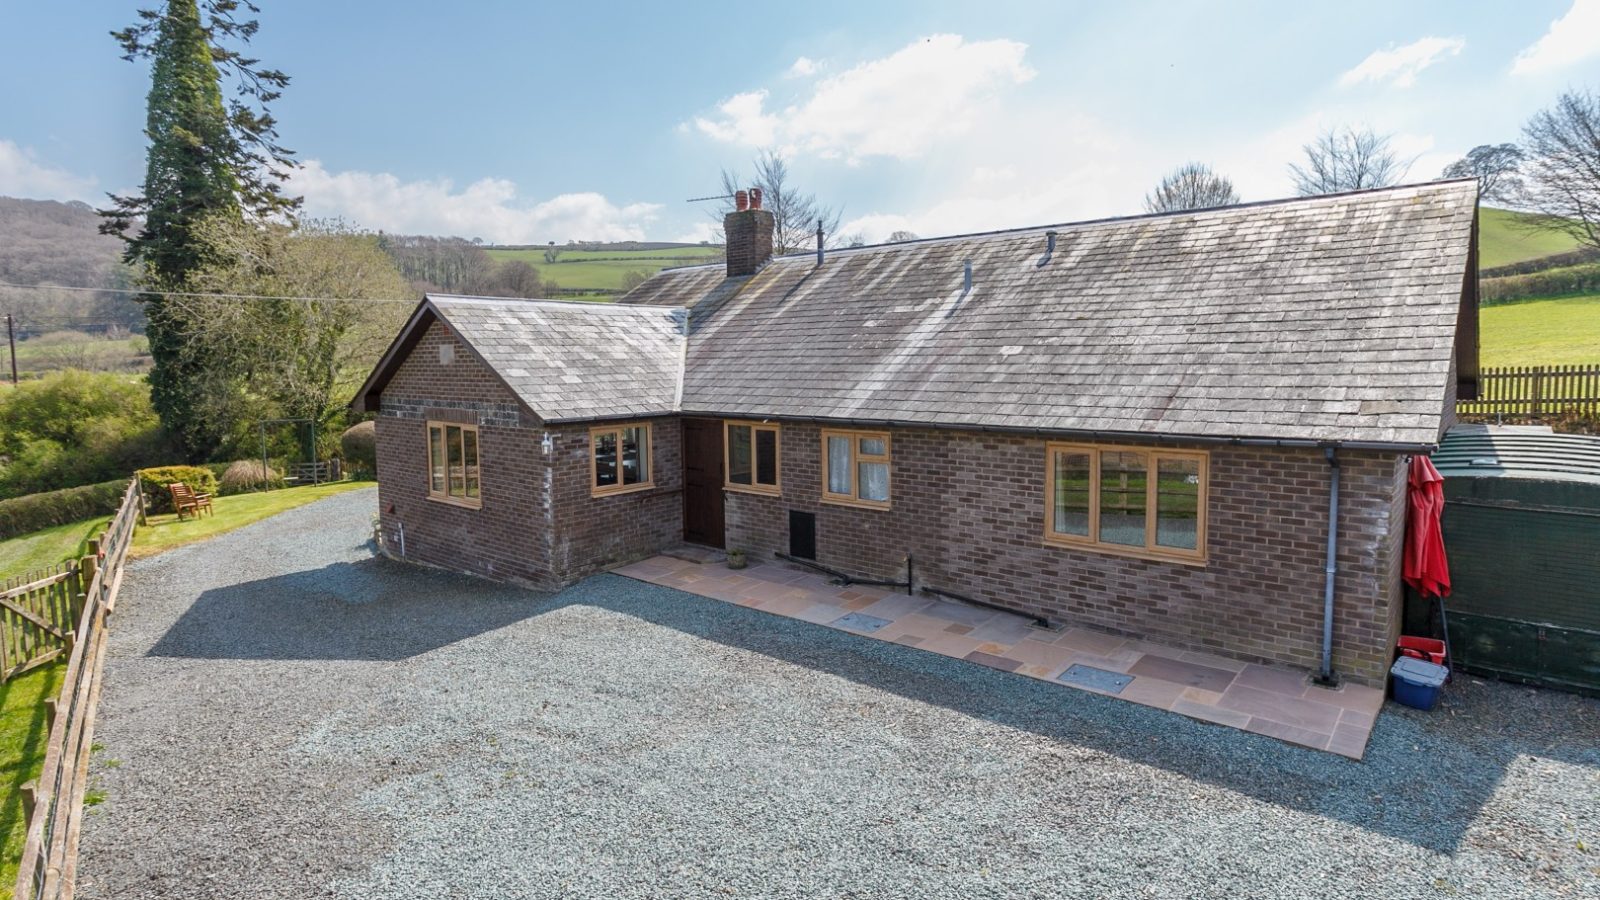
{"points": [[1426, 568]]}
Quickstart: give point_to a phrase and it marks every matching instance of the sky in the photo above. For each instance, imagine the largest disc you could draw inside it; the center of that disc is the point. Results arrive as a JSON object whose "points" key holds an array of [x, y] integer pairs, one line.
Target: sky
{"points": [[533, 122]]}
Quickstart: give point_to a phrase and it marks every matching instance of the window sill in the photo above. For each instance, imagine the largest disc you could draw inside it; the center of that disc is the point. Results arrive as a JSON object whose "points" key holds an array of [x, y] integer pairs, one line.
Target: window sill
{"points": [[760, 490], [628, 489], [857, 504], [456, 501], [1194, 561]]}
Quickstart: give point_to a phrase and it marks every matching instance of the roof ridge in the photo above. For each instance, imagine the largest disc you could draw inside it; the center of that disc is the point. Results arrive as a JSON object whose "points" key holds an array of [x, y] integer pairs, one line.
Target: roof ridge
{"points": [[1135, 217], [448, 299]]}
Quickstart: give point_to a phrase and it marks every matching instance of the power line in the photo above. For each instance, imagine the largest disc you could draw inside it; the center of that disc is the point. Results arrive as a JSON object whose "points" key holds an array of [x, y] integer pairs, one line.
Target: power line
{"points": [[52, 287]]}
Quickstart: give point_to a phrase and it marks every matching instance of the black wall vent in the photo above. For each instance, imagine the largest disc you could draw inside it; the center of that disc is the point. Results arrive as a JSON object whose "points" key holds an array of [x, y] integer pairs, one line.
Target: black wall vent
{"points": [[802, 534]]}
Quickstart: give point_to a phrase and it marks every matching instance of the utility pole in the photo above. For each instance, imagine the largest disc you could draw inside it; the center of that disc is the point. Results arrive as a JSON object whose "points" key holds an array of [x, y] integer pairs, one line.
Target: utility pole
{"points": [[11, 338]]}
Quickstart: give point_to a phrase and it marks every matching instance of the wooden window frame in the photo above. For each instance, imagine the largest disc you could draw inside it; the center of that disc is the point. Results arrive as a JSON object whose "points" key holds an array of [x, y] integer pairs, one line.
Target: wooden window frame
{"points": [[1153, 457], [856, 458], [611, 490], [770, 490], [444, 438]]}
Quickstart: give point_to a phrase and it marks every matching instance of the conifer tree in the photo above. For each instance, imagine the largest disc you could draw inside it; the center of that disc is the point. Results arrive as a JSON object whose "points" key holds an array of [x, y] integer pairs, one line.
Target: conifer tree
{"points": [[208, 158]]}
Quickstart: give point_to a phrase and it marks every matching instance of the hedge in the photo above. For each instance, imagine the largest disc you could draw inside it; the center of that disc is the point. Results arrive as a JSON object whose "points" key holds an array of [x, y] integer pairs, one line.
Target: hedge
{"points": [[1556, 261], [22, 515], [153, 482], [1548, 283]]}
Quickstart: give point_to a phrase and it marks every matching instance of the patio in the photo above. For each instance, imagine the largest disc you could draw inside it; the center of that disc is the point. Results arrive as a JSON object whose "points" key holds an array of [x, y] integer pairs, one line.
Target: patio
{"points": [[1271, 701]]}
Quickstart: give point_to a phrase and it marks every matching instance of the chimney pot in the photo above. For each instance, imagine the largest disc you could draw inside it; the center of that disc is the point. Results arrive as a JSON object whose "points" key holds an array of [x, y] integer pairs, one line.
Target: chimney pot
{"points": [[755, 198], [741, 201]]}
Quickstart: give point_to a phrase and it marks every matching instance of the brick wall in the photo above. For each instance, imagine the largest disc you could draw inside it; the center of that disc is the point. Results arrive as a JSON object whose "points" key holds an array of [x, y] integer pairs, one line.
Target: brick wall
{"points": [[596, 533], [508, 537], [538, 523], [971, 507]]}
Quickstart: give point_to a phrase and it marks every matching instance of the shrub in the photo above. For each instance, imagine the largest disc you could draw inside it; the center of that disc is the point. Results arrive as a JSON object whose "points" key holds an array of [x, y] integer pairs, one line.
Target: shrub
{"points": [[360, 445], [21, 515], [73, 428], [246, 475], [154, 484]]}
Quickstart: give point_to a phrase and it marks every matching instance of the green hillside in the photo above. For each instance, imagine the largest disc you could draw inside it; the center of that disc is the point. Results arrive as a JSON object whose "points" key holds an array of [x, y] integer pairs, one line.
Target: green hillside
{"points": [[1506, 237], [603, 270], [1541, 332]]}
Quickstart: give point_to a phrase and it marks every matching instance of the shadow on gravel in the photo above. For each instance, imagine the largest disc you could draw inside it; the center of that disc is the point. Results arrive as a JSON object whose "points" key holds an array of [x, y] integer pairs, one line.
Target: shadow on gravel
{"points": [[374, 609], [1424, 780]]}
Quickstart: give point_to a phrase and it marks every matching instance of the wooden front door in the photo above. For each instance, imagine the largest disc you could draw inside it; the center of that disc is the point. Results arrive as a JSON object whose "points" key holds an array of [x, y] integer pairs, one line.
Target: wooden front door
{"points": [[702, 482]]}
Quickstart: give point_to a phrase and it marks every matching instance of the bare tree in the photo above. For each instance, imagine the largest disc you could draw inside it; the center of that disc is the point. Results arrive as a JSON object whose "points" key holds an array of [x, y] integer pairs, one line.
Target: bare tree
{"points": [[900, 237], [796, 213], [1563, 166], [1191, 186], [1347, 159], [1496, 167]]}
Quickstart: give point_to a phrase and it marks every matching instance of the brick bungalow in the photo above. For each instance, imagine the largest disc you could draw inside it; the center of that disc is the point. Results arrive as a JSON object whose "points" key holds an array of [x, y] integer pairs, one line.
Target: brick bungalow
{"points": [[1134, 424]]}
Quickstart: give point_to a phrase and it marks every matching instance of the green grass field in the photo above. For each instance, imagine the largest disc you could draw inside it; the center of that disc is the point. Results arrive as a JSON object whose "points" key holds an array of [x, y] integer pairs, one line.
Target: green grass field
{"points": [[604, 270], [39, 549], [165, 531], [1541, 332], [22, 742], [1504, 237]]}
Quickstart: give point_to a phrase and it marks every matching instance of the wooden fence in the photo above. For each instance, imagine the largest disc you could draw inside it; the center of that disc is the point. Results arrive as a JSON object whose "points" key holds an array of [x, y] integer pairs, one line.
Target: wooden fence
{"points": [[38, 612], [1536, 391], [54, 803]]}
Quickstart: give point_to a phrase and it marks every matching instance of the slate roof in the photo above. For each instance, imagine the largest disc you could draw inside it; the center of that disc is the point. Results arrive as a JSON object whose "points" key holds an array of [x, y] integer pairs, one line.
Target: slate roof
{"points": [[1329, 319], [566, 360]]}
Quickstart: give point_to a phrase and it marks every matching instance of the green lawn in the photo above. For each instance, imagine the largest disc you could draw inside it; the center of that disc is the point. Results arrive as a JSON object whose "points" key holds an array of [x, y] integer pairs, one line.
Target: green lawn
{"points": [[1541, 332], [48, 547], [604, 270], [1504, 237], [165, 531], [22, 742]]}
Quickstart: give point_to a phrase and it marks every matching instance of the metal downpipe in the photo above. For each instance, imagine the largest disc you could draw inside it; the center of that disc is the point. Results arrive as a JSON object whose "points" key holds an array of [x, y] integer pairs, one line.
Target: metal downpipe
{"points": [[1326, 677]]}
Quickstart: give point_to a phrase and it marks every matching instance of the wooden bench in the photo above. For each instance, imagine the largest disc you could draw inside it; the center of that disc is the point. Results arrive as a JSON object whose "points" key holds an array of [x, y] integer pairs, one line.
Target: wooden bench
{"points": [[187, 502]]}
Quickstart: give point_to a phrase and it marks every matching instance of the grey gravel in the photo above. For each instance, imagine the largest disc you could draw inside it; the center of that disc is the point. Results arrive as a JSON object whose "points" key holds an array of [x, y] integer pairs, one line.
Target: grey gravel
{"points": [[287, 716]]}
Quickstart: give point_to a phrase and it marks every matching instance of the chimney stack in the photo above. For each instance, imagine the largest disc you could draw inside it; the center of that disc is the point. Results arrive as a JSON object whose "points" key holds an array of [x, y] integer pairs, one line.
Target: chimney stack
{"points": [[748, 230]]}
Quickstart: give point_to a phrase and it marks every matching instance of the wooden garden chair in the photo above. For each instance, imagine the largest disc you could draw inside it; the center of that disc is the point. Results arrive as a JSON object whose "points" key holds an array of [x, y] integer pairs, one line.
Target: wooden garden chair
{"points": [[186, 501]]}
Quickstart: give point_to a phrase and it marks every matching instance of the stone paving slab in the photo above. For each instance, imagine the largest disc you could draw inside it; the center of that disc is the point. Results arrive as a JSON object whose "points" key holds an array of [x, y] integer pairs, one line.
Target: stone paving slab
{"points": [[1274, 701]]}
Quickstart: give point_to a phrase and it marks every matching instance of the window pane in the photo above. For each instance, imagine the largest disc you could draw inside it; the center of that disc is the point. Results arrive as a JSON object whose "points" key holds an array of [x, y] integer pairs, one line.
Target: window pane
{"points": [[767, 457], [1178, 503], [838, 465], [739, 462], [605, 458], [458, 470], [635, 455], [874, 481], [1122, 509], [470, 445], [873, 447], [436, 459], [1072, 494]]}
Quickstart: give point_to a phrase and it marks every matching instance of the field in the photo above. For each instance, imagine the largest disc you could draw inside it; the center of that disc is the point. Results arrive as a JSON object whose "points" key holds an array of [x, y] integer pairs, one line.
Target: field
{"points": [[22, 742], [39, 549], [603, 271], [1505, 237], [1541, 332], [67, 349]]}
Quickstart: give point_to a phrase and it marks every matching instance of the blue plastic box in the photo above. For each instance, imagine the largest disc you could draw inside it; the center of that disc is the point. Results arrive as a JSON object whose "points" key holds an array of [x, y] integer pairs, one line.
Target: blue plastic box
{"points": [[1417, 682]]}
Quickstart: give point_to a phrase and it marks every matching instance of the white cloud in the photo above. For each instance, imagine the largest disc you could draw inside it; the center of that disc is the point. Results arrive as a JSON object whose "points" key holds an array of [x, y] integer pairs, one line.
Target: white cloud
{"points": [[1399, 66], [488, 208], [899, 106], [23, 175], [803, 67], [1572, 38]]}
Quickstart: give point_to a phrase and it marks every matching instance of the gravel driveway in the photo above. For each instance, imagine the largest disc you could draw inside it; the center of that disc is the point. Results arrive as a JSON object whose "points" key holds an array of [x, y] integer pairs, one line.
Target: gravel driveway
{"points": [[286, 716]]}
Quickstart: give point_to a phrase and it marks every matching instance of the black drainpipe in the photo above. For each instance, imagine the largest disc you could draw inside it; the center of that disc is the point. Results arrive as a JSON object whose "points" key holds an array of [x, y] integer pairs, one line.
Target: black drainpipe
{"points": [[1326, 678]]}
